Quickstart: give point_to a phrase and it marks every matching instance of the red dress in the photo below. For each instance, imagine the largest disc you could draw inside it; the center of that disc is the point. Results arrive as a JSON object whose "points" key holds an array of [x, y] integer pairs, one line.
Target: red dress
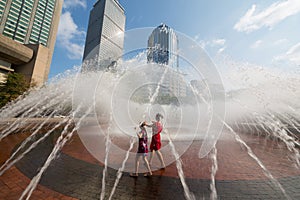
{"points": [[155, 142]]}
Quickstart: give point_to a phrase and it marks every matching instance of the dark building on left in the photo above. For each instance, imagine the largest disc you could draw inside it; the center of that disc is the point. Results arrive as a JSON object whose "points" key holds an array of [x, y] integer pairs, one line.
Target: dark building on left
{"points": [[105, 35], [27, 37]]}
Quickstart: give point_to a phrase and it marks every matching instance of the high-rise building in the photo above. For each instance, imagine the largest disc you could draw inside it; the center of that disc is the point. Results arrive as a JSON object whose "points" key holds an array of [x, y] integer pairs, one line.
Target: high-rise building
{"points": [[163, 46], [33, 23], [105, 34], [163, 49]]}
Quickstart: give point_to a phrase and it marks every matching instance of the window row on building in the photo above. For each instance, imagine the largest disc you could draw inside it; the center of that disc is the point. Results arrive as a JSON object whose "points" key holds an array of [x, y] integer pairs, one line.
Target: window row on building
{"points": [[20, 13]]}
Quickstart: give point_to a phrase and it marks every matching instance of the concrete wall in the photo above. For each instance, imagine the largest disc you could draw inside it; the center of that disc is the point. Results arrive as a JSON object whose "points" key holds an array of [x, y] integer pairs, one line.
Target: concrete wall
{"points": [[31, 60], [36, 71], [14, 52]]}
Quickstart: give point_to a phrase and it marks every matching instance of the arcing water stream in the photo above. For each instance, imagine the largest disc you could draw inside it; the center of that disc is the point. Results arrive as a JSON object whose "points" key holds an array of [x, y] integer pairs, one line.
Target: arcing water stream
{"points": [[101, 105], [214, 170], [120, 171]]}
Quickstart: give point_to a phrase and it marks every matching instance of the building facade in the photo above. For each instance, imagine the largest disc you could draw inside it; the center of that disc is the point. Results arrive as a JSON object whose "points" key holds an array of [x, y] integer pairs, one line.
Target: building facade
{"points": [[33, 23], [163, 46], [105, 35], [163, 49]]}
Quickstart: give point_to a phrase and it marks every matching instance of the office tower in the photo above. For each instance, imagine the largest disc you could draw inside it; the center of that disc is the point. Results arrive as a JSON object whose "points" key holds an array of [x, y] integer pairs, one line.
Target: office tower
{"points": [[33, 23], [105, 34], [163, 49], [163, 46]]}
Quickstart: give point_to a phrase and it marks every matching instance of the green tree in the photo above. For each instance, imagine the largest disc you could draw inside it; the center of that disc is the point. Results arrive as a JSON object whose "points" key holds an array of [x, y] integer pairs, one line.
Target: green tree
{"points": [[15, 86]]}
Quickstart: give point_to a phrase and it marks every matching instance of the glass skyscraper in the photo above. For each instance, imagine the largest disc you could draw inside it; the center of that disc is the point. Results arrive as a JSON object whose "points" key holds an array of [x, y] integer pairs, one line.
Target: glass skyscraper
{"points": [[105, 34], [163, 49], [28, 21], [163, 46]]}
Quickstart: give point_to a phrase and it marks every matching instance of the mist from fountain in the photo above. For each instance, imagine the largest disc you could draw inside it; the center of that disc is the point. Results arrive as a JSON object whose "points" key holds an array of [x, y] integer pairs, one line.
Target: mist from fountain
{"points": [[274, 126], [267, 123], [264, 104], [277, 129], [270, 104]]}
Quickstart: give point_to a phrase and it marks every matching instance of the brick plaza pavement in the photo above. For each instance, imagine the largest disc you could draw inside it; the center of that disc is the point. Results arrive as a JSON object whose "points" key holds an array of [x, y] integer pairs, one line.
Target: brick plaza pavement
{"points": [[75, 174]]}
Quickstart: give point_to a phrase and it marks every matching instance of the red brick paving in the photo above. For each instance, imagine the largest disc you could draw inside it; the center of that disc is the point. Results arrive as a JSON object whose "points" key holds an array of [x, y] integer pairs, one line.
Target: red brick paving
{"points": [[233, 163], [80, 152], [13, 182]]}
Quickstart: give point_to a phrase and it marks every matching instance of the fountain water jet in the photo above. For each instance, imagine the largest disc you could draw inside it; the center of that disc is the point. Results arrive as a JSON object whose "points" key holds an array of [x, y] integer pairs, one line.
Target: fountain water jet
{"points": [[264, 119], [253, 156], [11, 161], [156, 92], [214, 169], [61, 141], [120, 171], [213, 153], [276, 129], [107, 147], [187, 193]]}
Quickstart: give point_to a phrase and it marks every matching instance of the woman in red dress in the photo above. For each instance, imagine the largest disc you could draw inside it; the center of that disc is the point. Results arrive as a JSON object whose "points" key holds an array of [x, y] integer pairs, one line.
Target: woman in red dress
{"points": [[156, 142]]}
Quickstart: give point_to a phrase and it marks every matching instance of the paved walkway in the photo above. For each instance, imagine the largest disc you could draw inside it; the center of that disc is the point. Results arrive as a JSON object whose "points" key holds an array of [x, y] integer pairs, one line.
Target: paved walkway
{"points": [[13, 182], [76, 174]]}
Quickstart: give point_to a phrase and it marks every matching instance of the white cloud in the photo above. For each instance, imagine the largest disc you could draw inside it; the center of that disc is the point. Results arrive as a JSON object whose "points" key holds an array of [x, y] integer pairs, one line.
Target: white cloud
{"points": [[254, 20], [70, 37], [215, 45], [218, 42], [74, 3], [212, 43], [292, 55], [281, 41], [256, 44], [221, 49]]}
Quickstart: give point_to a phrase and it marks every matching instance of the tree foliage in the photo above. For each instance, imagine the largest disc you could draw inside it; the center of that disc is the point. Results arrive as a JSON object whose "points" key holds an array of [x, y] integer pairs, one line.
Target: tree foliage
{"points": [[15, 86]]}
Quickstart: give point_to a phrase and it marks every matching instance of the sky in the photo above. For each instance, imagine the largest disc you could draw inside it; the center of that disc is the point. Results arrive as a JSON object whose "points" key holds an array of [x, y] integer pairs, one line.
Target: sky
{"points": [[265, 33]]}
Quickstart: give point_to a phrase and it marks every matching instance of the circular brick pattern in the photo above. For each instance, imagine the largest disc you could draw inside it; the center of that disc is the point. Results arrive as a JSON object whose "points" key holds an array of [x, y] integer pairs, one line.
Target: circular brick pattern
{"points": [[77, 174]]}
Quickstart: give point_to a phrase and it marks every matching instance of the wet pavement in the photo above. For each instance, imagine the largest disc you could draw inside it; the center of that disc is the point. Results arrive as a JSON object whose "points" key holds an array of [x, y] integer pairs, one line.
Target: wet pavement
{"points": [[75, 174]]}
